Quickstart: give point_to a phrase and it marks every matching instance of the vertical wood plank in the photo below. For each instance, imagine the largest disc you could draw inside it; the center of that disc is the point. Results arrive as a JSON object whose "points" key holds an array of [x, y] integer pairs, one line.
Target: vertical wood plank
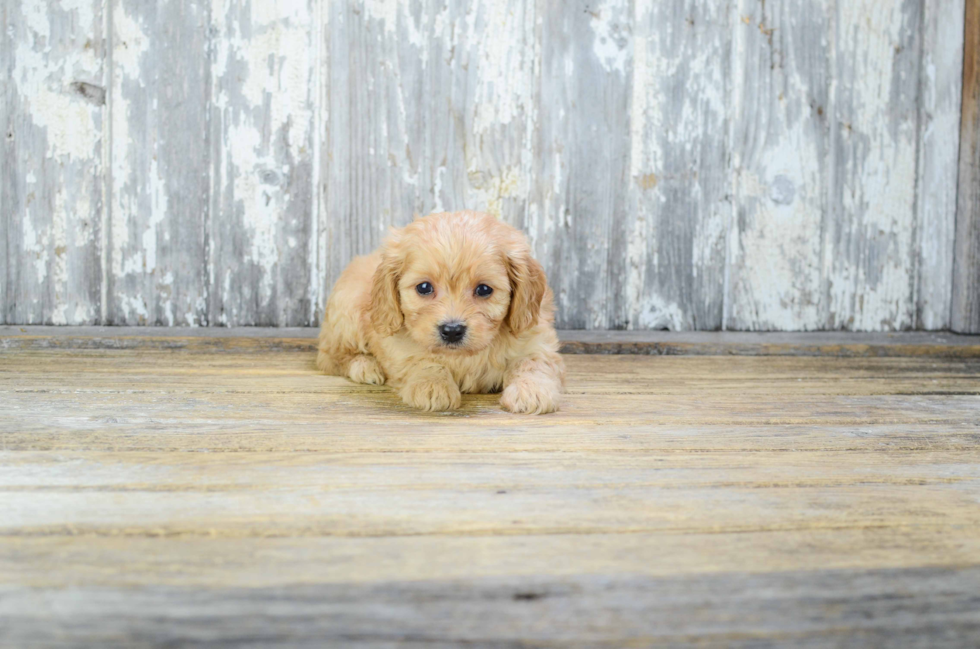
{"points": [[263, 107], [966, 269], [601, 128], [438, 117], [781, 161], [829, 234], [373, 147], [680, 203], [160, 163], [582, 147], [7, 177], [940, 87], [871, 233], [479, 89], [52, 106]]}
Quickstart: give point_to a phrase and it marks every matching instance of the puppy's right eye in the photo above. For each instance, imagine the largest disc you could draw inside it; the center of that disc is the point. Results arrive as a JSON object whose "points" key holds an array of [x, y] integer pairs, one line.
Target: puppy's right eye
{"points": [[424, 288]]}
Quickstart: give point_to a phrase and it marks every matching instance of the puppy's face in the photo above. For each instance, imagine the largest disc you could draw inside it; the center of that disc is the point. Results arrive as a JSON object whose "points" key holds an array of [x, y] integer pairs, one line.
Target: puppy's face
{"points": [[453, 300], [455, 281]]}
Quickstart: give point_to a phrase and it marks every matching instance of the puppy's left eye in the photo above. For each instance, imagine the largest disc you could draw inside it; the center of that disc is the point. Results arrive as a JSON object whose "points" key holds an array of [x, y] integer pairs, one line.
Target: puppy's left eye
{"points": [[483, 290]]}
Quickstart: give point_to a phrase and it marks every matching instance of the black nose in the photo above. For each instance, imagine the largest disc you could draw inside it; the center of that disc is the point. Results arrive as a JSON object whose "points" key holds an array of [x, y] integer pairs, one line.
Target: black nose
{"points": [[452, 332]]}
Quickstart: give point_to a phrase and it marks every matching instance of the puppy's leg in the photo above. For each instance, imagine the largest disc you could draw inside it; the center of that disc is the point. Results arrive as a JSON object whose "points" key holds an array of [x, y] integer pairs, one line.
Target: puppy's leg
{"points": [[533, 384], [365, 368], [338, 353], [430, 387], [325, 362], [360, 368]]}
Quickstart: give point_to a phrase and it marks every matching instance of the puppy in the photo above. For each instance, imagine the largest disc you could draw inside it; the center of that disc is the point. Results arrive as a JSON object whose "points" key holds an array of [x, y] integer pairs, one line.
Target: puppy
{"points": [[451, 303]]}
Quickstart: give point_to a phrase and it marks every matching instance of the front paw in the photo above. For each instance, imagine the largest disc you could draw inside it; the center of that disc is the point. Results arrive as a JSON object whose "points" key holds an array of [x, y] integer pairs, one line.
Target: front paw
{"points": [[432, 395], [365, 369], [529, 398]]}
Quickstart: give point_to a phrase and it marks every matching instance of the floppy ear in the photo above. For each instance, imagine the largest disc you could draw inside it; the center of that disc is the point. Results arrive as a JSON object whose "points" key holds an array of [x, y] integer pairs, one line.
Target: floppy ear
{"points": [[528, 284], [386, 308]]}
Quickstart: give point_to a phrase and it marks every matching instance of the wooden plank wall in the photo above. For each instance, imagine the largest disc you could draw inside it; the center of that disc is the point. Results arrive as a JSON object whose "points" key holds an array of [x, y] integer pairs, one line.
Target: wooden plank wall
{"points": [[966, 276], [52, 165], [787, 165]]}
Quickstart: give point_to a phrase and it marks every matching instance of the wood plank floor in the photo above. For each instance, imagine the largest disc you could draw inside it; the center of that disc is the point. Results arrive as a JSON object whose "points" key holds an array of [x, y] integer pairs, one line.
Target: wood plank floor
{"points": [[228, 495]]}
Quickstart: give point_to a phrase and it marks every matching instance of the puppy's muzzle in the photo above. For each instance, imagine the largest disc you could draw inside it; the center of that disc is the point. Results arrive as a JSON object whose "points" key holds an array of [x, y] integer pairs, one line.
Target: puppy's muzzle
{"points": [[452, 332]]}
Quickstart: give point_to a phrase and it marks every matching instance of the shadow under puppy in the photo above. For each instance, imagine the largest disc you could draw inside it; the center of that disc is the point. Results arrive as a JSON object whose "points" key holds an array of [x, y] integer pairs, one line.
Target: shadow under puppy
{"points": [[451, 303]]}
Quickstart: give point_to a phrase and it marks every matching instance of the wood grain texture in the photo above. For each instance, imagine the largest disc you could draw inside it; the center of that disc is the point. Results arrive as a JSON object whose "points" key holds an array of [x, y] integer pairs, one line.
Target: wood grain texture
{"points": [[157, 496], [263, 107], [784, 165], [842, 218], [869, 239], [922, 608], [52, 116], [680, 208], [428, 108], [781, 159], [940, 87], [582, 154], [160, 163], [373, 143], [479, 141], [966, 269]]}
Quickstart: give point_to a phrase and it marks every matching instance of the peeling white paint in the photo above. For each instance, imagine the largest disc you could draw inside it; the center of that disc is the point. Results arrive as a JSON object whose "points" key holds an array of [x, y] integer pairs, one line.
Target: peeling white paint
{"points": [[646, 118], [660, 314], [57, 135], [59, 266], [387, 14], [36, 246], [158, 215], [678, 114], [260, 205], [938, 162], [152, 274], [384, 12], [778, 251], [791, 264], [277, 60], [636, 257], [131, 44], [266, 65], [43, 81], [612, 44], [83, 314], [437, 190], [488, 194], [502, 93], [878, 199]]}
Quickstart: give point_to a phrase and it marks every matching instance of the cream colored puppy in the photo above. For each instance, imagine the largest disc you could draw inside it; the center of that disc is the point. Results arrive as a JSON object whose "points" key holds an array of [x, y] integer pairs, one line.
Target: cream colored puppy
{"points": [[451, 303]]}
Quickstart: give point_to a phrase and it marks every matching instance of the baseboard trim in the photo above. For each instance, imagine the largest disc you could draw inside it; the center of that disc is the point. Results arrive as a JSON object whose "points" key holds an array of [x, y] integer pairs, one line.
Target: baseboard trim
{"points": [[940, 344]]}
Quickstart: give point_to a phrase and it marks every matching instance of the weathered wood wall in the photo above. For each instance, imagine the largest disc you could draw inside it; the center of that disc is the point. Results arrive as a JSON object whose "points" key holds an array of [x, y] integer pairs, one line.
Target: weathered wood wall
{"points": [[789, 164], [966, 275]]}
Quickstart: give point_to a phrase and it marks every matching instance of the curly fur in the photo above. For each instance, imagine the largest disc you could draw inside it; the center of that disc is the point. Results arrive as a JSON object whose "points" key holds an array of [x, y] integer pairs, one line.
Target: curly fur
{"points": [[378, 329]]}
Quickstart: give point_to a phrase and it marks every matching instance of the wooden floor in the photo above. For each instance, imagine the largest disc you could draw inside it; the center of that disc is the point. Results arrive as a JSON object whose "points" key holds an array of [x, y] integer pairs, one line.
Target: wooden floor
{"points": [[228, 495]]}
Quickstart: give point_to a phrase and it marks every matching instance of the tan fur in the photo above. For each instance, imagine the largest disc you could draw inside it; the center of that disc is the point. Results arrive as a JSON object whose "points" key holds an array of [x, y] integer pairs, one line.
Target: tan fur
{"points": [[378, 329]]}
